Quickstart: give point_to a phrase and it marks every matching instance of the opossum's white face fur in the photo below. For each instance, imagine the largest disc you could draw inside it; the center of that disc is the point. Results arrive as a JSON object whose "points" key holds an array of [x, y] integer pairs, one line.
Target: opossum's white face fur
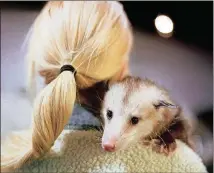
{"points": [[132, 110]]}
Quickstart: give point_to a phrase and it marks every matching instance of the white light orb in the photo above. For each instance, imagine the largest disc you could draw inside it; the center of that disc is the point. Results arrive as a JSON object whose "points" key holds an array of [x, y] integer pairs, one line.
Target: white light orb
{"points": [[164, 24]]}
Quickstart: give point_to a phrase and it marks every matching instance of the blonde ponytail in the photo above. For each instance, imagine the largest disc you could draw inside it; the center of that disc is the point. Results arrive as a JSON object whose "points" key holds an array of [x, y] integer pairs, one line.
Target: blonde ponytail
{"points": [[93, 37], [52, 110]]}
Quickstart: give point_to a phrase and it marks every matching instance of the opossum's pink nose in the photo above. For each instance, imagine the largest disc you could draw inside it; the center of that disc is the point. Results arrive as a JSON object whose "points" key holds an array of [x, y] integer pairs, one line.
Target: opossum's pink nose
{"points": [[109, 145]]}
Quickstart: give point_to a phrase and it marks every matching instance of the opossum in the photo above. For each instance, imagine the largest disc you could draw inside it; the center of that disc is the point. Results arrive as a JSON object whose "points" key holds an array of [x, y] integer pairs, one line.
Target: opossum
{"points": [[138, 110]]}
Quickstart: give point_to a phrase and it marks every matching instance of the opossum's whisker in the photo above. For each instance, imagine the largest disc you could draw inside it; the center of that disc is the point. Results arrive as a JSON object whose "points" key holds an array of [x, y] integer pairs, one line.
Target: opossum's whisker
{"points": [[131, 135], [91, 108], [135, 107], [122, 133], [166, 129], [102, 124], [100, 130], [162, 140], [128, 125], [123, 138], [99, 97]]}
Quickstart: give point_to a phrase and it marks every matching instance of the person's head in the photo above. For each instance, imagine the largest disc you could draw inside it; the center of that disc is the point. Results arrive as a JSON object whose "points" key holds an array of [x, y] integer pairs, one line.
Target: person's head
{"points": [[134, 109], [94, 37]]}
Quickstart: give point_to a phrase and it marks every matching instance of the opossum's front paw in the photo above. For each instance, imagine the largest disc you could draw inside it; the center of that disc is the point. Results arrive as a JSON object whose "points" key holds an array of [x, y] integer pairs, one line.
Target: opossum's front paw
{"points": [[166, 148], [160, 146]]}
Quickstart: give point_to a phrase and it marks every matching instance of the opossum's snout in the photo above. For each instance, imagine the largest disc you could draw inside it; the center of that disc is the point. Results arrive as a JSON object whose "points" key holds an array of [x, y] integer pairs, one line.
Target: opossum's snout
{"points": [[113, 132], [111, 137], [117, 134]]}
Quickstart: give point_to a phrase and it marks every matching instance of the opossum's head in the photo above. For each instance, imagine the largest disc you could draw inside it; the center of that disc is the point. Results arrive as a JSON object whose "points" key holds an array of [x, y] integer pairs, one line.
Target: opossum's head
{"points": [[134, 109]]}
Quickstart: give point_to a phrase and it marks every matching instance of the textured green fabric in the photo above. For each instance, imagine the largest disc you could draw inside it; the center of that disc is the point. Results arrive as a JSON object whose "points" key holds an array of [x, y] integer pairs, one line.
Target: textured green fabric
{"points": [[80, 151]]}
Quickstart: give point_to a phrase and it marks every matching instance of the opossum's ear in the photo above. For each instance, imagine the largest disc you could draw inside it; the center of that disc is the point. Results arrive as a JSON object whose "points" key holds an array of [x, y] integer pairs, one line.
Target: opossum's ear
{"points": [[169, 110], [163, 103]]}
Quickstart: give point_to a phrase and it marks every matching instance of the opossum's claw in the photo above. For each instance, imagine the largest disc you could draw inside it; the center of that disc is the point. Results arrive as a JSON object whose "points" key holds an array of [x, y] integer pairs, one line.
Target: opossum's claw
{"points": [[169, 149], [160, 147]]}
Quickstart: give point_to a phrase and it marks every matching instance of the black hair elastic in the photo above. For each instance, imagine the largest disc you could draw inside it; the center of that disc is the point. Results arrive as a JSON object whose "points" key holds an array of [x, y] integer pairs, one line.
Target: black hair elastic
{"points": [[68, 68]]}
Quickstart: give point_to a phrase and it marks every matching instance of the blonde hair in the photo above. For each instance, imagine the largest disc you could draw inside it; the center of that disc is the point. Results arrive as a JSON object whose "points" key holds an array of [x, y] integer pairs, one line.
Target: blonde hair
{"points": [[92, 36]]}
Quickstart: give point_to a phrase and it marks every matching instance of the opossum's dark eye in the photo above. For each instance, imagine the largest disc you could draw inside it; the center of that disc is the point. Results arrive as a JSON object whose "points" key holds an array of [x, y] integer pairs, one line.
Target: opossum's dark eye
{"points": [[109, 114], [134, 120]]}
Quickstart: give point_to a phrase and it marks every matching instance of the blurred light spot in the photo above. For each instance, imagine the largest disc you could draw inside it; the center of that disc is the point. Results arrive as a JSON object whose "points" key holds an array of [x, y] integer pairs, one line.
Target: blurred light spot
{"points": [[164, 25]]}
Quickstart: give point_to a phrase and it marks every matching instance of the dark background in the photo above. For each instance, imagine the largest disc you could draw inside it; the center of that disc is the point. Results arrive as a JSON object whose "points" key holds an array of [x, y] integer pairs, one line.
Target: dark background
{"points": [[193, 21]]}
